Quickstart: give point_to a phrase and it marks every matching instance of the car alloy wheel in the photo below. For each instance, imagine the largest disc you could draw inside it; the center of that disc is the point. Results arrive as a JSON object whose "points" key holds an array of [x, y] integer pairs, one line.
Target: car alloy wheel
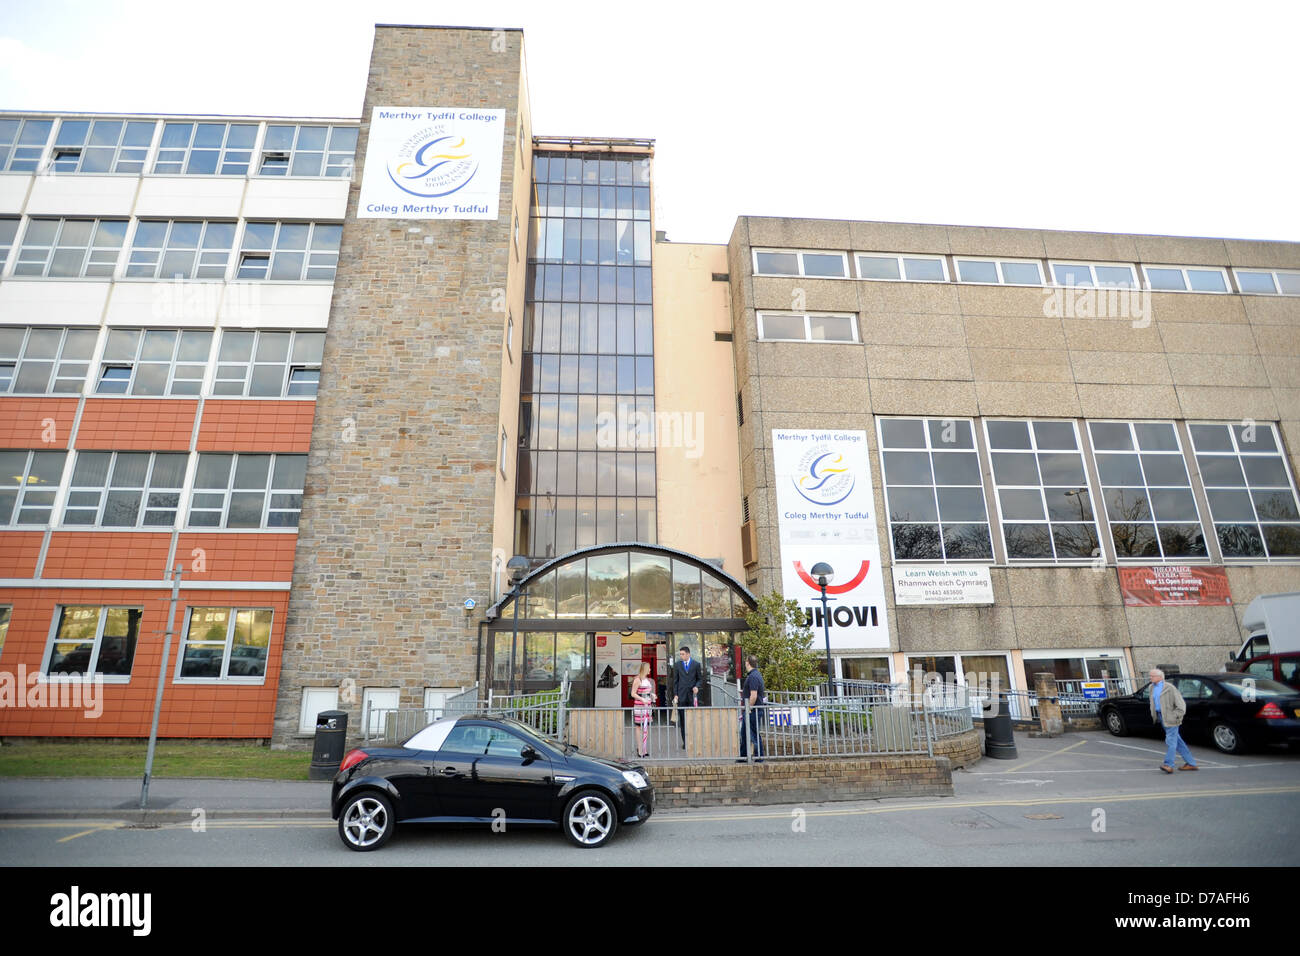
{"points": [[1115, 723], [366, 822], [590, 819], [1226, 738]]}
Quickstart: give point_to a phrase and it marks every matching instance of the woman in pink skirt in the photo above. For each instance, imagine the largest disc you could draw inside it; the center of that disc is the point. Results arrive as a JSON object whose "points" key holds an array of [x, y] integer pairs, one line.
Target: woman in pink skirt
{"points": [[643, 692]]}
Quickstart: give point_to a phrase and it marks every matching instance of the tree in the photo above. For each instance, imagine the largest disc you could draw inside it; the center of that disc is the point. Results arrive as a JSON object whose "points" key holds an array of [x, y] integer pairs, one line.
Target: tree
{"points": [[780, 636]]}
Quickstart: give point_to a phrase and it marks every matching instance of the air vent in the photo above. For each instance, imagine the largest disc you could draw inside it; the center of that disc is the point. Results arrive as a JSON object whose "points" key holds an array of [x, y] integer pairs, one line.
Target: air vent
{"points": [[722, 336]]}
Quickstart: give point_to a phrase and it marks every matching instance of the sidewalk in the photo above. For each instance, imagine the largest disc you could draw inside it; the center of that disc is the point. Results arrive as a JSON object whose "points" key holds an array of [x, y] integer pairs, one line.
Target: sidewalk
{"points": [[170, 800]]}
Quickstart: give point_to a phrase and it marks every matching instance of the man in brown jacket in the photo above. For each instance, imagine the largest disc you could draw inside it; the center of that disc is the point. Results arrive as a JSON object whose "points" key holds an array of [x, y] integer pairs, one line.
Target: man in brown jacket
{"points": [[1168, 709]]}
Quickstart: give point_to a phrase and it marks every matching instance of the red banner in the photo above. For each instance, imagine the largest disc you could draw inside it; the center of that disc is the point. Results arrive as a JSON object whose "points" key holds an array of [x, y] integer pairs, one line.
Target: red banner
{"points": [[1174, 585]]}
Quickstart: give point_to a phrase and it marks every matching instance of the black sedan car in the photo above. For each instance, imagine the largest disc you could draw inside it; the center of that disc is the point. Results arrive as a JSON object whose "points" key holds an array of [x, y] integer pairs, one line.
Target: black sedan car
{"points": [[488, 770], [1231, 711]]}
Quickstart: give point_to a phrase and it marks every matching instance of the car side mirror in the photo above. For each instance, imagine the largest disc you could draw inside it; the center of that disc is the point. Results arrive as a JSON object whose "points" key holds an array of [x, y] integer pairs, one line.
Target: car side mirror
{"points": [[529, 753]]}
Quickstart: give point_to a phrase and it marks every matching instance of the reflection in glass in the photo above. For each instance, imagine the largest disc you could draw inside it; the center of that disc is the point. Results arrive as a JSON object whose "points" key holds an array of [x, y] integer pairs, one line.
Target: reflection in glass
{"points": [[651, 585]]}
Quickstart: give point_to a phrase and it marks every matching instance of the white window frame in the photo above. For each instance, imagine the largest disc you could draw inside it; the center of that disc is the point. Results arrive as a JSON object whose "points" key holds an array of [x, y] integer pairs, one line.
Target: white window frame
{"points": [[8, 242], [1187, 279], [88, 251], [331, 159], [58, 363], [315, 700], [32, 154], [381, 699], [269, 491], [900, 258], [225, 677], [159, 253], [997, 264], [24, 487], [250, 364], [103, 491], [92, 673], [799, 254], [312, 258], [1136, 282], [135, 364], [1275, 274], [118, 149], [807, 326], [505, 444], [226, 154], [1047, 520]]}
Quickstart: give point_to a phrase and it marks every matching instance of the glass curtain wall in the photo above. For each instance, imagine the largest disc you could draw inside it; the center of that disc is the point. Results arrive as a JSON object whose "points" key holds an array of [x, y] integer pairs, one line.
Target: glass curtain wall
{"points": [[586, 472]]}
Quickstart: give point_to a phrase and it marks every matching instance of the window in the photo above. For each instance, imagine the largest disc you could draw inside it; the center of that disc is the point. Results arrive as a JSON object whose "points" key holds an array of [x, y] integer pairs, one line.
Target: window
{"points": [[70, 248], [154, 362], [8, 233], [1042, 489], [28, 482], [224, 643], [934, 490], [101, 146], [206, 148], [1263, 282], [314, 701], [125, 489], [1092, 275], [828, 265], [897, 268], [247, 491], [6, 612], [180, 250], [1186, 279], [1251, 495], [1146, 490], [269, 364], [40, 361], [504, 445], [21, 143], [290, 251], [793, 327], [510, 335], [93, 641], [1000, 271], [308, 151]]}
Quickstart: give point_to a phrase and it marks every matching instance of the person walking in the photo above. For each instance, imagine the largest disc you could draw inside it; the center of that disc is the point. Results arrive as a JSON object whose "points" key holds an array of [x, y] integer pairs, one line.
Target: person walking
{"points": [[1168, 709], [643, 693], [754, 694], [687, 677]]}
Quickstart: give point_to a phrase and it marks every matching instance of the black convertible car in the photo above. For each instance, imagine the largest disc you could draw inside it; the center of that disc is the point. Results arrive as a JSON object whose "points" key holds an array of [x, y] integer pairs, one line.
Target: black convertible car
{"points": [[485, 770], [1231, 711]]}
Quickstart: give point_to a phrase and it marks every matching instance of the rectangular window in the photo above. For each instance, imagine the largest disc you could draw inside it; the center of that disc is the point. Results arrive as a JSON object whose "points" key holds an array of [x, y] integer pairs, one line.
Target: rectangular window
{"points": [[1094, 275], [269, 364], [1000, 271], [102, 146], [8, 233], [6, 612], [125, 489], [180, 249], [1186, 279], [290, 251], [225, 643], [1042, 489], [1267, 282], [1146, 491], [308, 151], [901, 268], [154, 362], [819, 264], [22, 141], [91, 641], [796, 327], [70, 248], [934, 490], [29, 481], [247, 491], [504, 447], [39, 361], [205, 149], [1251, 494]]}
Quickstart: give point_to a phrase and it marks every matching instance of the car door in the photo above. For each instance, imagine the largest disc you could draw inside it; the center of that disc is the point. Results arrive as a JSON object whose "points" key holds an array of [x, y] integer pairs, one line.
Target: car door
{"points": [[1136, 710], [1196, 694], [483, 769]]}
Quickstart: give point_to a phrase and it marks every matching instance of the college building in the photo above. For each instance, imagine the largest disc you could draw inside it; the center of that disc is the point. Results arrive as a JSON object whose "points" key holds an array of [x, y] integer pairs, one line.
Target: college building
{"points": [[424, 402]]}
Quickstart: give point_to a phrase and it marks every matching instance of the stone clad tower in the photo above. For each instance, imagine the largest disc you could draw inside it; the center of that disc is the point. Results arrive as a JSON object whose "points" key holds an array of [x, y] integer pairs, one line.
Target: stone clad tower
{"points": [[408, 490]]}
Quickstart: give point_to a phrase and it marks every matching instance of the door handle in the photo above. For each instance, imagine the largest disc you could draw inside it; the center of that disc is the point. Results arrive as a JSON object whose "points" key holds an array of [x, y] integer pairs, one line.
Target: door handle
{"points": [[450, 772]]}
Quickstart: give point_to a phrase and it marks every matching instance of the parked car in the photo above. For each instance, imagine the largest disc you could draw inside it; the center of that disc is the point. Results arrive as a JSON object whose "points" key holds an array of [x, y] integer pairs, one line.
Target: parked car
{"points": [[1283, 668], [472, 770], [1231, 711]]}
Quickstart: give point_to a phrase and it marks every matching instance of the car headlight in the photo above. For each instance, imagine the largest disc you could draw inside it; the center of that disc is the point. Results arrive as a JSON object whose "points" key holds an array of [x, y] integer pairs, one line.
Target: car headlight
{"points": [[635, 779]]}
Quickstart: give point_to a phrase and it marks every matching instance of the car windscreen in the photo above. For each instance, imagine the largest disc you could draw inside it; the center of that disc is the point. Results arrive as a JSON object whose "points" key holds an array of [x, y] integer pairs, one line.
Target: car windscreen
{"points": [[1243, 685]]}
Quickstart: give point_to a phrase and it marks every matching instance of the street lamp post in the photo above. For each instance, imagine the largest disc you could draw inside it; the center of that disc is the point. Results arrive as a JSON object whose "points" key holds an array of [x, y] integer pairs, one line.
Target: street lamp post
{"points": [[516, 567], [823, 572]]}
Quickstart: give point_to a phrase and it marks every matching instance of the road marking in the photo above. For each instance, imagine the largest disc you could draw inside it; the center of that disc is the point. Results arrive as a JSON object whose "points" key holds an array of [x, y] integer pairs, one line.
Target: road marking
{"points": [[1029, 763], [1145, 750], [98, 829]]}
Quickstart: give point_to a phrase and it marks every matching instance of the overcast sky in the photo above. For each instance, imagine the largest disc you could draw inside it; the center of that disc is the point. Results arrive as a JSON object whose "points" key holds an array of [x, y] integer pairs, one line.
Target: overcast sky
{"points": [[1169, 118]]}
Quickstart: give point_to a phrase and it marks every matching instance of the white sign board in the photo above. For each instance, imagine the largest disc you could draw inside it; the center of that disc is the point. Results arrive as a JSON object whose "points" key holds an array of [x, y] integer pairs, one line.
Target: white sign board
{"points": [[951, 585], [826, 512], [436, 162]]}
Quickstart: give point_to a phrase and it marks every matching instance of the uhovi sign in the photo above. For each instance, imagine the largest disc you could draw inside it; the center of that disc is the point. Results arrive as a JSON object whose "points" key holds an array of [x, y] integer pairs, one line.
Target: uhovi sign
{"points": [[826, 512]]}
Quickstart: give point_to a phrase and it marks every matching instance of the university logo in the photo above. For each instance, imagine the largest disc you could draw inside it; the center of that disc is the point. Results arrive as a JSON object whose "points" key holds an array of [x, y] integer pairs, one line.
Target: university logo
{"points": [[435, 162], [822, 477]]}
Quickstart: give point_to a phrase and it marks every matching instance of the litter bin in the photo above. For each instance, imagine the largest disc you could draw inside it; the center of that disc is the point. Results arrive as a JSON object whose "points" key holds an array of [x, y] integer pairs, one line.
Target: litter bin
{"points": [[327, 752], [999, 741]]}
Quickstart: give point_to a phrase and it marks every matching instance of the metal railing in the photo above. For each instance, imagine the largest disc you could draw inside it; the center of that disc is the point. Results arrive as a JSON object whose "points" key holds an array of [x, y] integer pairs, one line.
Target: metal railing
{"points": [[543, 711]]}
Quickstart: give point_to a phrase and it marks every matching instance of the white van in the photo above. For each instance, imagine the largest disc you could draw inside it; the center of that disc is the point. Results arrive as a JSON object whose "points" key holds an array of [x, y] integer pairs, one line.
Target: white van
{"points": [[1272, 623]]}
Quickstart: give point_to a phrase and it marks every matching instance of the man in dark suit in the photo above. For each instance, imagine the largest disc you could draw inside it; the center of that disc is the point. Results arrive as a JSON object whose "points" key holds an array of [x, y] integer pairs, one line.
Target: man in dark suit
{"points": [[687, 678]]}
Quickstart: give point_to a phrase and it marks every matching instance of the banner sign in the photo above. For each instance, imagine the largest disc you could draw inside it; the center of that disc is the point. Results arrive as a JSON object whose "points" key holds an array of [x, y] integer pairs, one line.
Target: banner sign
{"points": [[1174, 585], [436, 162], [826, 507], [951, 585]]}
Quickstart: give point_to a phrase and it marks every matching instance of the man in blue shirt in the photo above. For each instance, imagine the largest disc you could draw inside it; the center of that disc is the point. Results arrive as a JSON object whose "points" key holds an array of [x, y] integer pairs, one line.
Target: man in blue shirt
{"points": [[753, 693], [1168, 709]]}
